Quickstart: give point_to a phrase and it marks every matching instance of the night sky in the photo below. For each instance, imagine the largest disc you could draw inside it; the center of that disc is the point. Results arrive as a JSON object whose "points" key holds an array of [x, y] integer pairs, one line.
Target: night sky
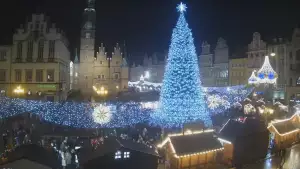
{"points": [[146, 25]]}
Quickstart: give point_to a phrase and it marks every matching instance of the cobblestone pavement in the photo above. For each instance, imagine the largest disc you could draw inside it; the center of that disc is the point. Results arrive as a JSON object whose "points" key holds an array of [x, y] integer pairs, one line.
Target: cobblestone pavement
{"points": [[291, 161]]}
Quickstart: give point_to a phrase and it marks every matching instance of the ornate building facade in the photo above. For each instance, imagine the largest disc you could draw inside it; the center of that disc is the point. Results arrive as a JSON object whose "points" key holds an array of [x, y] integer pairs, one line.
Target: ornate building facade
{"points": [[96, 72], [151, 70], [285, 59], [214, 67], [37, 63], [238, 72]]}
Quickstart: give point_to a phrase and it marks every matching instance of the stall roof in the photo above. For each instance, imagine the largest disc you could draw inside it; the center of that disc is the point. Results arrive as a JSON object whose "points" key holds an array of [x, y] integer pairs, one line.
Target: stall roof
{"points": [[111, 145], [184, 145], [234, 129], [33, 153]]}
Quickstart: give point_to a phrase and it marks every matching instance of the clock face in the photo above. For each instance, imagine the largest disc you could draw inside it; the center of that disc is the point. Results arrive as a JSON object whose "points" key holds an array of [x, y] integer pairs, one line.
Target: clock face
{"points": [[88, 25]]}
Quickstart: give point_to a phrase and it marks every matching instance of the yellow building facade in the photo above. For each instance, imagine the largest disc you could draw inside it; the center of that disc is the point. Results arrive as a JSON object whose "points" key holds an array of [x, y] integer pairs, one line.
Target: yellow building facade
{"points": [[238, 71], [36, 65]]}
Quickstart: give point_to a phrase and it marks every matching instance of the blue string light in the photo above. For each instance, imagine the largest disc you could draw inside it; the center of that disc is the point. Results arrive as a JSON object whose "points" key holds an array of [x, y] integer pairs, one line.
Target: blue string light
{"points": [[122, 114], [182, 96]]}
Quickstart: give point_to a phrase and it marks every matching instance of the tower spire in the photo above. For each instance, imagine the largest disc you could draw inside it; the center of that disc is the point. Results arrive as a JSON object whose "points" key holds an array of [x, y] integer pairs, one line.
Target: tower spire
{"points": [[91, 4]]}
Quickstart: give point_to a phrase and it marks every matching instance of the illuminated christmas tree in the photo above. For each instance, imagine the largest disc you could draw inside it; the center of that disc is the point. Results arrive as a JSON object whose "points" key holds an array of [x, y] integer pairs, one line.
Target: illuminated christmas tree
{"points": [[181, 97]]}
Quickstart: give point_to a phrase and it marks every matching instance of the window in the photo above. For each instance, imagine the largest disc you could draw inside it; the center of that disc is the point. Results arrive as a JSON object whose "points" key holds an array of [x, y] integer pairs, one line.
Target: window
{"points": [[39, 75], [31, 26], [117, 62], [37, 24], [101, 62], [51, 49], [28, 75], [116, 76], [102, 77], [29, 51], [2, 75], [88, 35], [18, 75], [126, 154], [41, 49], [50, 75], [2, 55], [298, 55], [42, 27], [118, 155], [19, 51]]}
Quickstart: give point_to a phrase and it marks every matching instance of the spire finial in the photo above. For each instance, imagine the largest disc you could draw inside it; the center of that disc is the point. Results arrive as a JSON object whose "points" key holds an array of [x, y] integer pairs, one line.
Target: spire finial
{"points": [[91, 3], [181, 7]]}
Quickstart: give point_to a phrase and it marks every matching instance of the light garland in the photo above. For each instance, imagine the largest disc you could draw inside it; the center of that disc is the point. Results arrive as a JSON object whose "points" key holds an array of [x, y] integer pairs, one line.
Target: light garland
{"points": [[80, 115], [282, 121], [168, 140]]}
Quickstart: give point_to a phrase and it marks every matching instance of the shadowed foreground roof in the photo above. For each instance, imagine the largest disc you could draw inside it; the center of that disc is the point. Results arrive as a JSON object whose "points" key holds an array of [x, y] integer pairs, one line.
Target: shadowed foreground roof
{"points": [[111, 145], [195, 143], [233, 129], [34, 153]]}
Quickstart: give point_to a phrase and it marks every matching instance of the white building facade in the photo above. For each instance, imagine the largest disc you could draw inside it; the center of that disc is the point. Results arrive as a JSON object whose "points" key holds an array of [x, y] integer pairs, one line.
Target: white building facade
{"points": [[37, 65], [214, 67]]}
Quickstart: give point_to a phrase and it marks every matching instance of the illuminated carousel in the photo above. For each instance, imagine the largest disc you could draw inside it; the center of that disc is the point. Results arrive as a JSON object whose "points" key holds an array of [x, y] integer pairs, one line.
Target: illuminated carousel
{"points": [[264, 80]]}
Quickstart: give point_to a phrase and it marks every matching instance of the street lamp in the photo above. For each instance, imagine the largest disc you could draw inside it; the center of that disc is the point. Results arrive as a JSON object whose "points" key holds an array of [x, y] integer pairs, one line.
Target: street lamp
{"points": [[272, 54], [19, 90]]}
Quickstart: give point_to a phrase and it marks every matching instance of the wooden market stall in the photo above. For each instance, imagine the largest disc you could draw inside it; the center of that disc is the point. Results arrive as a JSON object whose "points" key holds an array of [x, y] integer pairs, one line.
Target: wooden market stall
{"points": [[285, 132], [192, 150], [244, 141]]}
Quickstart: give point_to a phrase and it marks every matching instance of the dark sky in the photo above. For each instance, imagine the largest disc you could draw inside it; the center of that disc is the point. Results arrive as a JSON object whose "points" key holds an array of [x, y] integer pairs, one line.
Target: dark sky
{"points": [[146, 25]]}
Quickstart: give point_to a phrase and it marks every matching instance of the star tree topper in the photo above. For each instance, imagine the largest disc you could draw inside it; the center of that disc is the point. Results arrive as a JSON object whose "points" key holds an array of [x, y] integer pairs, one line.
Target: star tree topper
{"points": [[181, 7]]}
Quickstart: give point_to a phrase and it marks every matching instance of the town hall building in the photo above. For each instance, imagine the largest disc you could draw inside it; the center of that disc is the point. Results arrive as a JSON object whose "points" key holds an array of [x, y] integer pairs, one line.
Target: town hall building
{"points": [[95, 72]]}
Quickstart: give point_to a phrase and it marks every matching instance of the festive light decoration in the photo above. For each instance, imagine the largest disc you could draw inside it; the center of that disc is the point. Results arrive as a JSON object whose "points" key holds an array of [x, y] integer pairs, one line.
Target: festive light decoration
{"points": [[265, 75], [102, 114], [19, 90], [253, 79], [271, 125], [168, 140], [181, 7], [224, 141], [214, 101], [181, 97], [80, 115], [249, 109]]}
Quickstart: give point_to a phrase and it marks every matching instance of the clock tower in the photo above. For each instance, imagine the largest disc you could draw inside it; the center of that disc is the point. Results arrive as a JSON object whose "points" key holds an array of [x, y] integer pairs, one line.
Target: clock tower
{"points": [[87, 41], [87, 49]]}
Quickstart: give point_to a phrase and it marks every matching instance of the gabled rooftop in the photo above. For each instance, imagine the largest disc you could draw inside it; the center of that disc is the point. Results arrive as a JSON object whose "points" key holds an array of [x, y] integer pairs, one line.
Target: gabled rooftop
{"points": [[33, 153], [193, 143], [234, 129], [111, 145], [286, 126]]}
